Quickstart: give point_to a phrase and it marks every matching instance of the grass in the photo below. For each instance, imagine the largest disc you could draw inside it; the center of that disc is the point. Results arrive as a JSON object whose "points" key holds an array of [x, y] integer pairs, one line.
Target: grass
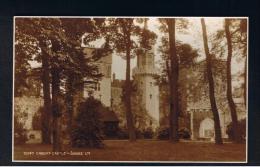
{"points": [[142, 150]]}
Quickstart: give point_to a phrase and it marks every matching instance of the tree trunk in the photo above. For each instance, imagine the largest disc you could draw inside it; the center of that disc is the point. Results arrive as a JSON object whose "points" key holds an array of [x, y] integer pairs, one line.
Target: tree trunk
{"points": [[218, 137], [129, 115], [70, 103], [46, 114], [173, 82], [56, 109], [231, 103]]}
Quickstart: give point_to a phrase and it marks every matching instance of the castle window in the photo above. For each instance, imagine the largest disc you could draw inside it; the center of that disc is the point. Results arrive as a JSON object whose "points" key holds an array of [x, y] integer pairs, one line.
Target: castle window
{"points": [[151, 83], [151, 96], [97, 86]]}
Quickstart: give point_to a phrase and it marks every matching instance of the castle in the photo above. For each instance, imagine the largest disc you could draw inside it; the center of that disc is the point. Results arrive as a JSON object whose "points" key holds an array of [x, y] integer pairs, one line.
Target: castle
{"points": [[109, 91], [196, 112], [152, 104]]}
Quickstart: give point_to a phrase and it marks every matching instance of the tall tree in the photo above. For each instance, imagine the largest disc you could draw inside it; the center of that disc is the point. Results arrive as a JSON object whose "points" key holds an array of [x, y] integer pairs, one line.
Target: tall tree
{"points": [[78, 65], [218, 137], [233, 40], [231, 103], [121, 32], [171, 64], [30, 29], [173, 81], [46, 113], [239, 40], [63, 56]]}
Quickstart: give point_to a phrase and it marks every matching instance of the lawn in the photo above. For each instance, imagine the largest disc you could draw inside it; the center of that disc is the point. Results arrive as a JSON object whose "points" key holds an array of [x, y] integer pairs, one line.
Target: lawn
{"points": [[142, 150]]}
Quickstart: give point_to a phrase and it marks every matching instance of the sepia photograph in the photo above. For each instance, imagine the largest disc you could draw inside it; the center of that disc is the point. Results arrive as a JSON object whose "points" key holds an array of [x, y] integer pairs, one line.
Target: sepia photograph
{"points": [[130, 89]]}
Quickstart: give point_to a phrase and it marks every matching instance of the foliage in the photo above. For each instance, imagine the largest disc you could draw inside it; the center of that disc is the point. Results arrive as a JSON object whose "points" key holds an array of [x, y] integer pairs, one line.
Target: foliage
{"points": [[87, 130], [60, 41], [20, 136], [118, 31], [187, 60], [19, 132], [214, 108], [36, 120], [184, 133], [122, 133], [55, 43], [163, 133], [110, 130], [241, 126], [148, 133], [121, 32], [186, 53]]}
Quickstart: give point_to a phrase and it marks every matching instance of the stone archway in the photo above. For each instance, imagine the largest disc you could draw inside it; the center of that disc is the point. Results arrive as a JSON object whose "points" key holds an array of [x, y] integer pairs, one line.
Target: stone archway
{"points": [[206, 129], [200, 117]]}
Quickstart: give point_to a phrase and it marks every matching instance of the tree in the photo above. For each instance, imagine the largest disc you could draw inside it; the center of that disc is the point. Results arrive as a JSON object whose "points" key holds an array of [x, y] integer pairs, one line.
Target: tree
{"points": [[79, 67], [122, 31], [24, 51], [173, 81], [62, 56], [239, 41], [232, 39], [231, 103], [46, 112], [87, 131], [19, 122], [187, 56], [171, 64], [37, 43], [218, 138]]}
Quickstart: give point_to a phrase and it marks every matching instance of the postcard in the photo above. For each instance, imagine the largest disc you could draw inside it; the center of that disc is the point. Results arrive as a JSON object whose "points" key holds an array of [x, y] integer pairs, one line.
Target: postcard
{"points": [[130, 89]]}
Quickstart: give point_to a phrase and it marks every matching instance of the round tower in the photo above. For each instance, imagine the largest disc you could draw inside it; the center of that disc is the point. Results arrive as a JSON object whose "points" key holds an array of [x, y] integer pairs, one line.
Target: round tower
{"points": [[144, 74]]}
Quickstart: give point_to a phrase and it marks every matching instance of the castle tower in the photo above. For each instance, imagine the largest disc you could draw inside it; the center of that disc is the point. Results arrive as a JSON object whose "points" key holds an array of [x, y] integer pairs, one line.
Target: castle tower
{"points": [[144, 74], [102, 89]]}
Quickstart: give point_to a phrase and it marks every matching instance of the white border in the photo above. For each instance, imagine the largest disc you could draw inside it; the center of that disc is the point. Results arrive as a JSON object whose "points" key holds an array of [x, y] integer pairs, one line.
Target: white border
{"points": [[64, 161]]}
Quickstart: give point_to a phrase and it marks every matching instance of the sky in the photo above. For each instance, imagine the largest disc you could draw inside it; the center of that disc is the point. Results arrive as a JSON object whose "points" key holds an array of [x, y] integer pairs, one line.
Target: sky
{"points": [[193, 36]]}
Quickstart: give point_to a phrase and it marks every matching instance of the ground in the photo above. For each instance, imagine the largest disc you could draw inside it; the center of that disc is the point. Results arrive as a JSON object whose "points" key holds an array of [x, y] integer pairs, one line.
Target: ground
{"points": [[142, 150]]}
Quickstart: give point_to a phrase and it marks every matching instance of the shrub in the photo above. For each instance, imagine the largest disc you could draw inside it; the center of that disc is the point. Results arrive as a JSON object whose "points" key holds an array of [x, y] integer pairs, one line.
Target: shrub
{"points": [[122, 133], [241, 126], [36, 120], [148, 133], [163, 133], [184, 133], [139, 134], [19, 132], [87, 130]]}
